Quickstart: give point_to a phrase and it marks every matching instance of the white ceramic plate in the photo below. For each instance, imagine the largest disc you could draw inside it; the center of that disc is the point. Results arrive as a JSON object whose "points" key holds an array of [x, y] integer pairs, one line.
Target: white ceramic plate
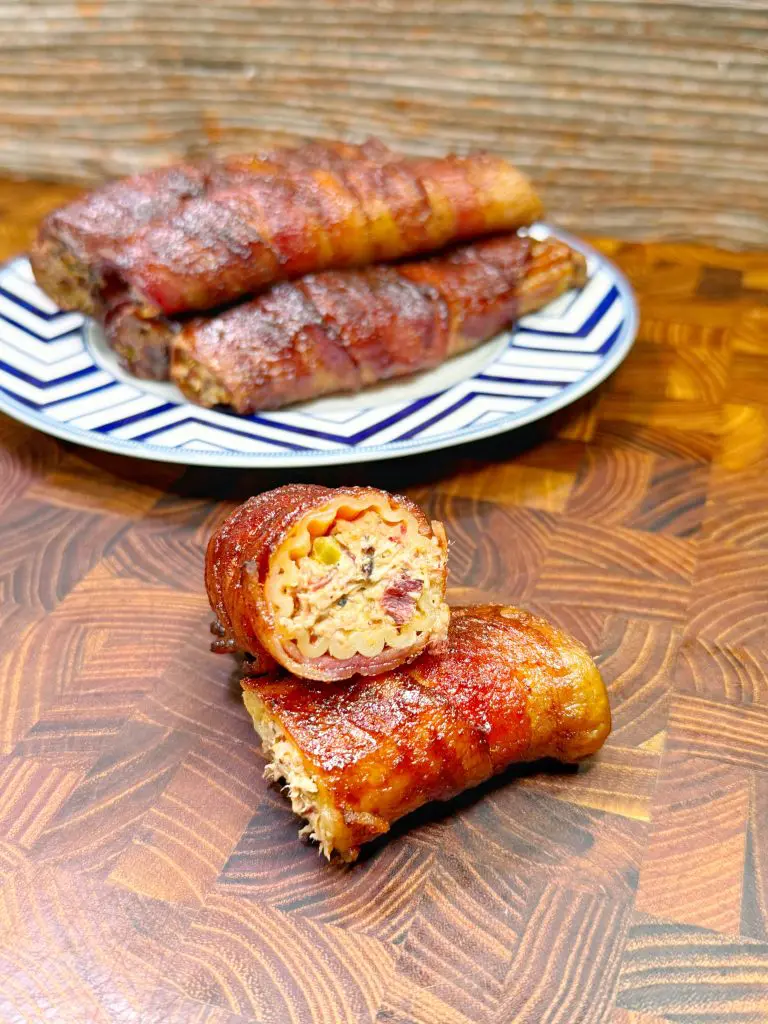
{"points": [[57, 374]]}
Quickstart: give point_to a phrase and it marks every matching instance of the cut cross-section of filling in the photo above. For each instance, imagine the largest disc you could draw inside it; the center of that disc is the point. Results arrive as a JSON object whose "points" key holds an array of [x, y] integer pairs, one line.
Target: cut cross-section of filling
{"points": [[308, 796], [356, 578]]}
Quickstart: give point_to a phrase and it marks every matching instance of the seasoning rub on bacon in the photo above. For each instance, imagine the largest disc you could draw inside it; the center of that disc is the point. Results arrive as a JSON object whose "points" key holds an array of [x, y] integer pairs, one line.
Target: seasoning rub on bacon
{"points": [[343, 330], [346, 330]]}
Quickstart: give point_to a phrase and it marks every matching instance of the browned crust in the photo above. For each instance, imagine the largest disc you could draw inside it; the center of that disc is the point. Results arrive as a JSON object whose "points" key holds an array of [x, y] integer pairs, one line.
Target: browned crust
{"points": [[443, 306], [509, 687], [236, 566], [72, 255]]}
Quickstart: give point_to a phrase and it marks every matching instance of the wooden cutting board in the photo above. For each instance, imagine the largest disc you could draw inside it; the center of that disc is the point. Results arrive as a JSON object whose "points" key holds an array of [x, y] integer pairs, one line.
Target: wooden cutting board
{"points": [[148, 874]]}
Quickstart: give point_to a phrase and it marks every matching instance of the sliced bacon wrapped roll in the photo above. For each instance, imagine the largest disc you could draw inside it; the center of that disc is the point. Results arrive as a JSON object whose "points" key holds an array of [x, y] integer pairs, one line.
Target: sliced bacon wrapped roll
{"points": [[195, 237], [357, 756], [345, 330], [328, 582]]}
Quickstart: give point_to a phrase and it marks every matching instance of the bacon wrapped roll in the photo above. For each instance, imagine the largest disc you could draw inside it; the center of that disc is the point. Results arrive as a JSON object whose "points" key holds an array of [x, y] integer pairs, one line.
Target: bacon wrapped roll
{"points": [[328, 582], [510, 275], [196, 237], [344, 330], [70, 257], [357, 756]]}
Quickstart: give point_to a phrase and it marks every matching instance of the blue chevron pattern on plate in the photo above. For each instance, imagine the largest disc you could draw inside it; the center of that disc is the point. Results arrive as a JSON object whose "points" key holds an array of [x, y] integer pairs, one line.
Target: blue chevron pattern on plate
{"points": [[57, 374]]}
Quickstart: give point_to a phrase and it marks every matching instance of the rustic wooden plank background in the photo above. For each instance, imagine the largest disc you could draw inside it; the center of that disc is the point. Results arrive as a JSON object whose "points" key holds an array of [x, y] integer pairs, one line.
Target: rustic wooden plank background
{"points": [[637, 117], [149, 875]]}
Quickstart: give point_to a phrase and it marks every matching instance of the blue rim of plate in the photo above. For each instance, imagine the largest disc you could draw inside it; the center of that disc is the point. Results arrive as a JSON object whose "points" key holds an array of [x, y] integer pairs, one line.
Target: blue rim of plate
{"points": [[53, 377]]}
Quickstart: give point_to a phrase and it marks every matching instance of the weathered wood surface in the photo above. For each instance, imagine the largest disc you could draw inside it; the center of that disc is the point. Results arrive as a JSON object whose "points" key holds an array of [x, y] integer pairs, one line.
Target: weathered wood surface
{"points": [[148, 874], [638, 118]]}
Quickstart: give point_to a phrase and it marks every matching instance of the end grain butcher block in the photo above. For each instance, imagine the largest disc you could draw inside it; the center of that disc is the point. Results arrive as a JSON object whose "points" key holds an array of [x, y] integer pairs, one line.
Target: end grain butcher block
{"points": [[147, 871]]}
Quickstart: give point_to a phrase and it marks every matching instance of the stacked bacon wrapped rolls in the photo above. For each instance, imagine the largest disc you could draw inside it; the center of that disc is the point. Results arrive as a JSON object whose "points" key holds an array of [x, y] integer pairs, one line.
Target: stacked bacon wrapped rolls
{"points": [[384, 706], [253, 282]]}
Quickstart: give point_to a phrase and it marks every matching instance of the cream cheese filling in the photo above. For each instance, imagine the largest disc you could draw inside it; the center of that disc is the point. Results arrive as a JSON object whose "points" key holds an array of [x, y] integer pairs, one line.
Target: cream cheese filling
{"points": [[376, 585]]}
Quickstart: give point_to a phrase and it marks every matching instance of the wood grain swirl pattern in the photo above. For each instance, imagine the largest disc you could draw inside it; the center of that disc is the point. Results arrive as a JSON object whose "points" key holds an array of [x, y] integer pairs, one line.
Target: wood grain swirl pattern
{"points": [[567, 961], [692, 975], [248, 959], [605, 567], [727, 673], [268, 866], [461, 944], [735, 513], [149, 874], [693, 867], [46, 551], [187, 835], [637, 659], [731, 733]]}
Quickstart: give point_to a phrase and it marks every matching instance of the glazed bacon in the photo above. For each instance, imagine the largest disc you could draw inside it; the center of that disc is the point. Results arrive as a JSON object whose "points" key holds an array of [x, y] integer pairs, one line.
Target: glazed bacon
{"points": [[304, 576], [195, 237], [357, 756], [345, 330]]}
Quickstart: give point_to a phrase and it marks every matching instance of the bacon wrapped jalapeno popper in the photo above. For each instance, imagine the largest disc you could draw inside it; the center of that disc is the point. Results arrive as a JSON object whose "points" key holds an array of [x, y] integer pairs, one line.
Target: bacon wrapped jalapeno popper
{"points": [[328, 582], [357, 756], [344, 330], [196, 237]]}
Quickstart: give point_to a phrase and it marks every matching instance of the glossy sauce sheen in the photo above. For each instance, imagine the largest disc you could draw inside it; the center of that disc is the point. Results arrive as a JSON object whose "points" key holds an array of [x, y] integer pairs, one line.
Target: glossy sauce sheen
{"points": [[509, 688], [208, 235], [344, 330], [237, 562]]}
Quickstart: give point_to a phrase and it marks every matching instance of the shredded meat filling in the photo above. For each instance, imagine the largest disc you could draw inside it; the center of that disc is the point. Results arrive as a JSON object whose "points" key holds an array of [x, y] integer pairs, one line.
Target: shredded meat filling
{"points": [[399, 599]]}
